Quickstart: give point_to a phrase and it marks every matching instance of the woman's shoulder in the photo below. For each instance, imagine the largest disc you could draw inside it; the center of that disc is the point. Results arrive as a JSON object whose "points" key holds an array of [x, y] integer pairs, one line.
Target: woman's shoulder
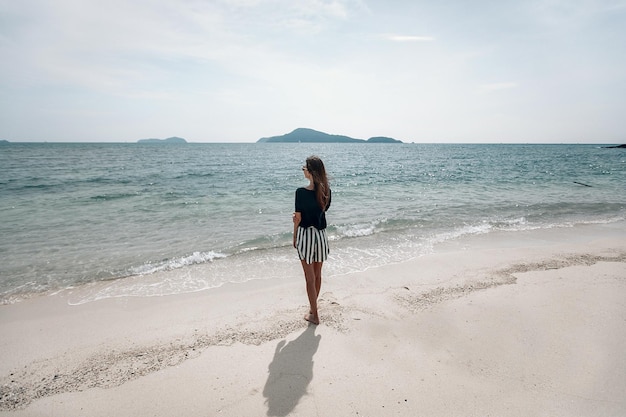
{"points": [[304, 190]]}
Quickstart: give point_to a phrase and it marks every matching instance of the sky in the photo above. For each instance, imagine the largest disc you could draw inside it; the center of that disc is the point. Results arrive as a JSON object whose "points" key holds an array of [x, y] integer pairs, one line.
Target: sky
{"points": [[498, 71]]}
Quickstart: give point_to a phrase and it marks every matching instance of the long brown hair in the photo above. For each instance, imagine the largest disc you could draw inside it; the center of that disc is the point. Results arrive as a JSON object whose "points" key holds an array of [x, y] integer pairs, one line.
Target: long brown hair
{"points": [[315, 166]]}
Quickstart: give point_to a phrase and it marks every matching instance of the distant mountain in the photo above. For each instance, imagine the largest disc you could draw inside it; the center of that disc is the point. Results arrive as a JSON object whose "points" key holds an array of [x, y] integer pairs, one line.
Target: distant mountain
{"points": [[172, 140], [3, 142], [302, 135], [383, 139]]}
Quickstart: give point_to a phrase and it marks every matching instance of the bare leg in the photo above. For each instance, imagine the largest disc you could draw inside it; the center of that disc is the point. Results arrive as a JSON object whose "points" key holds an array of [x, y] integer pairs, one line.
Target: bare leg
{"points": [[309, 276], [317, 268]]}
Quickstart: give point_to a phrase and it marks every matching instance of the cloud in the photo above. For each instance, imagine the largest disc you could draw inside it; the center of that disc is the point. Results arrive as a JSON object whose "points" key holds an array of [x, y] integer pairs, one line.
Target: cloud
{"points": [[408, 38], [203, 64], [497, 86], [573, 14]]}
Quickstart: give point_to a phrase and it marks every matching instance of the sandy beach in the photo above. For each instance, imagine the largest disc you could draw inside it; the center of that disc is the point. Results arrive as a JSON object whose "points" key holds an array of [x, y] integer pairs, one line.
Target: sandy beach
{"points": [[505, 324]]}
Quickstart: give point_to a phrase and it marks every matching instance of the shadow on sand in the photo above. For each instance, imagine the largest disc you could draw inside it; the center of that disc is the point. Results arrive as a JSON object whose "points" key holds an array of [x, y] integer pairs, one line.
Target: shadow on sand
{"points": [[290, 372]]}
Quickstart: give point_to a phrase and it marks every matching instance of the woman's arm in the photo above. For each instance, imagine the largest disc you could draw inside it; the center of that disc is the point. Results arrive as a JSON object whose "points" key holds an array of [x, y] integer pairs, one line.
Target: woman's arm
{"points": [[297, 217]]}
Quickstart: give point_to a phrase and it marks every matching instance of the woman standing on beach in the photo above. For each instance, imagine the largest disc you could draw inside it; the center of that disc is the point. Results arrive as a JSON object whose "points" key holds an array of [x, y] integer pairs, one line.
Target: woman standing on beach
{"points": [[309, 229]]}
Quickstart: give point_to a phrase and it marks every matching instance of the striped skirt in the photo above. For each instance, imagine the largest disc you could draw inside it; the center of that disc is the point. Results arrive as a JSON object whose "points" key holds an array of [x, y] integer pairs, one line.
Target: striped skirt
{"points": [[312, 244]]}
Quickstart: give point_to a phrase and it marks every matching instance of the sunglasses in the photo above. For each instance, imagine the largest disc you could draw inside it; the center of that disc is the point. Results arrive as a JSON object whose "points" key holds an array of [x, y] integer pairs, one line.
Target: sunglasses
{"points": [[304, 168]]}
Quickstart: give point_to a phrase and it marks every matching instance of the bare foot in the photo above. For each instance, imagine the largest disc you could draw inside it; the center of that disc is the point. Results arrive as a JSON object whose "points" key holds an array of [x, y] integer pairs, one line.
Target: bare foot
{"points": [[312, 319]]}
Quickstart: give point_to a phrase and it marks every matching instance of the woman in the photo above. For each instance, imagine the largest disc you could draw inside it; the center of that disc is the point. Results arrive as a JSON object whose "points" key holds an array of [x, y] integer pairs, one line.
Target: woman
{"points": [[309, 229]]}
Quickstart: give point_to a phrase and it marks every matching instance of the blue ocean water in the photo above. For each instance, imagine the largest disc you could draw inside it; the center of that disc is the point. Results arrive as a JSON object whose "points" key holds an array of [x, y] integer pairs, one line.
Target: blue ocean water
{"points": [[144, 219]]}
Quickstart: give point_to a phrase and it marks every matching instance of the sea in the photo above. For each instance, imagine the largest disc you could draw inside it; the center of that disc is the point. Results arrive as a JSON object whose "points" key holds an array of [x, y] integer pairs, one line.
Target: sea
{"points": [[144, 220]]}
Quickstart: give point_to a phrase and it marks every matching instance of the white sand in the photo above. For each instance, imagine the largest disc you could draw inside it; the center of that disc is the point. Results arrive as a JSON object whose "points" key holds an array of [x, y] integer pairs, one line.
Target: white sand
{"points": [[523, 324]]}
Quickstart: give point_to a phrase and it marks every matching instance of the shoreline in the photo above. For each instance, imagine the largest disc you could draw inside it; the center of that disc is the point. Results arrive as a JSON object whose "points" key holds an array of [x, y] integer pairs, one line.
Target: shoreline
{"points": [[542, 295], [243, 267]]}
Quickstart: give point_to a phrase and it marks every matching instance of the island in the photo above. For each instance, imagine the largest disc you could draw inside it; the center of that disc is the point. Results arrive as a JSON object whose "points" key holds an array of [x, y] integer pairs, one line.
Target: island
{"points": [[616, 147], [303, 135], [3, 142], [173, 140]]}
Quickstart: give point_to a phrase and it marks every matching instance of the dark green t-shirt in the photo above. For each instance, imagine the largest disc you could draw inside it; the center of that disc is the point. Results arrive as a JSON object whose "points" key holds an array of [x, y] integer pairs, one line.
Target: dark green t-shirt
{"points": [[312, 214]]}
